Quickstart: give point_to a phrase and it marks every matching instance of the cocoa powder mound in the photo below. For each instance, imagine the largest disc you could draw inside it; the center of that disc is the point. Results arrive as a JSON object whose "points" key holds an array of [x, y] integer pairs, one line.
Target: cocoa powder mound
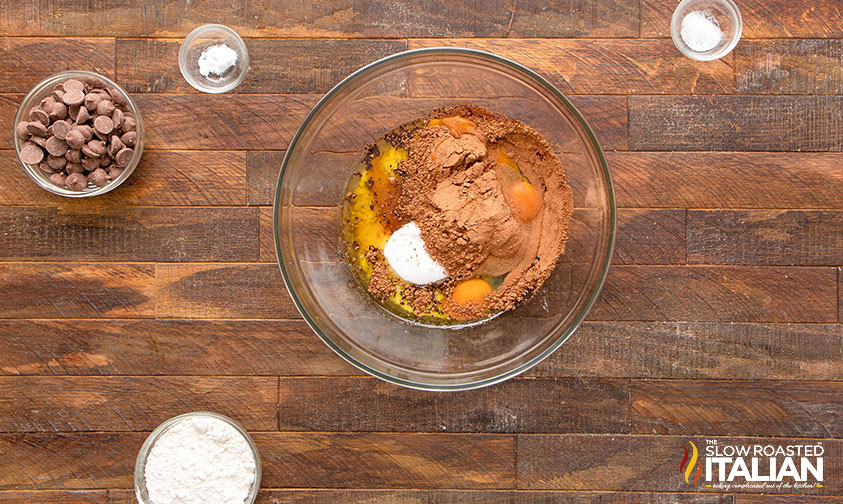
{"points": [[455, 187]]}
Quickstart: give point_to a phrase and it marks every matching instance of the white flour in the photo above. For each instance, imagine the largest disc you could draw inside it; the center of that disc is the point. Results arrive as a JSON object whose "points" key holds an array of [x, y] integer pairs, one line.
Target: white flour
{"points": [[700, 31], [216, 60], [200, 460]]}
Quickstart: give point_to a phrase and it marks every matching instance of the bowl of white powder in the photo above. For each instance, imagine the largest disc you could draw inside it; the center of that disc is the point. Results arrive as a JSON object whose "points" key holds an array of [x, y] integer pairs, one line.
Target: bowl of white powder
{"points": [[198, 458], [706, 30], [213, 59]]}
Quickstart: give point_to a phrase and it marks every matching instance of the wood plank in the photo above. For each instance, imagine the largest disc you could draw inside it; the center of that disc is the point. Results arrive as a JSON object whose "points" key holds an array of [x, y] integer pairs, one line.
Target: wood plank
{"points": [[56, 290], [275, 65], [840, 294], [228, 122], [727, 179], [262, 169], [519, 405], [718, 294], [222, 291], [360, 18], [113, 404], [290, 496], [789, 67], [165, 347], [737, 408], [781, 237], [129, 234], [55, 497], [637, 463], [67, 460], [755, 123], [628, 66], [385, 460], [267, 235], [650, 237], [700, 350], [787, 499], [180, 178], [9, 104], [31, 60], [761, 18]]}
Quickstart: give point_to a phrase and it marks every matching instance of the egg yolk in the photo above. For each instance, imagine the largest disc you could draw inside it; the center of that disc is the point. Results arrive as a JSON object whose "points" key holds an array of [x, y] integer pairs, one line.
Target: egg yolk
{"points": [[524, 201], [456, 124], [470, 291]]}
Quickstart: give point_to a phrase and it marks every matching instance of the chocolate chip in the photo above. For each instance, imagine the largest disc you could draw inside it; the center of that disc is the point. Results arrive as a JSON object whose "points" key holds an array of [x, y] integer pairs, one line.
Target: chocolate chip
{"points": [[36, 128], [117, 97], [129, 138], [86, 130], [57, 163], [73, 155], [123, 157], [74, 168], [128, 124], [56, 146], [115, 145], [114, 172], [75, 97], [73, 111], [105, 161], [58, 179], [31, 153], [47, 102], [75, 138], [90, 163], [117, 118], [57, 94], [21, 131], [39, 141], [99, 177], [105, 107], [94, 82], [103, 124], [45, 168], [92, 100], [58, 111], [37, 114], [73, 85], [76, 182], [83, 116], [60, 129]]}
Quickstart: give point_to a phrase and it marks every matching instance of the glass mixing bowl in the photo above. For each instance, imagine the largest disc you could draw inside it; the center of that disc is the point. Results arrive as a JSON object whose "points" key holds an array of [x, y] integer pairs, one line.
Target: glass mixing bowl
{"points": [[312, 183]]}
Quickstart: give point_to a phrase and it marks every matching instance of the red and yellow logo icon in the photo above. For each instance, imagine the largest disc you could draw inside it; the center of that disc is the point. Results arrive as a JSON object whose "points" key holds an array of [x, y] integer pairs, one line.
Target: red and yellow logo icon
{"points": [[688, 469]]}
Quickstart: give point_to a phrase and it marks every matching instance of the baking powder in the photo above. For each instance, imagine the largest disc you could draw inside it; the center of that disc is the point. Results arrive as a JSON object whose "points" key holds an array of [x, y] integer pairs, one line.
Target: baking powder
{"points": [[700, 31], [200, 460], [216, 60]]}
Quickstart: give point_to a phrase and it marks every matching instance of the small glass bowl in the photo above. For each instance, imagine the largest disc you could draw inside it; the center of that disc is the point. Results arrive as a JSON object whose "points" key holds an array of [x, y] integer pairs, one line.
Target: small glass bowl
{"points": [[140, 464], [726, 13], [44, 89], [200, 39]]}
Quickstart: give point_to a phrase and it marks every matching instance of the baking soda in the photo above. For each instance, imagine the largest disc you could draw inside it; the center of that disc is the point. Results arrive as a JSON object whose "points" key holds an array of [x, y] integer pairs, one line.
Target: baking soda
{"points": [[200, 460], [700, 31], [216, 60]]}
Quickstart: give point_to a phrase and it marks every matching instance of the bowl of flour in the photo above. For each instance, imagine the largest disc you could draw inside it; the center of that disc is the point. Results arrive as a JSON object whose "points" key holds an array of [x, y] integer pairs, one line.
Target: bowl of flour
{"points": [[198, 458]]}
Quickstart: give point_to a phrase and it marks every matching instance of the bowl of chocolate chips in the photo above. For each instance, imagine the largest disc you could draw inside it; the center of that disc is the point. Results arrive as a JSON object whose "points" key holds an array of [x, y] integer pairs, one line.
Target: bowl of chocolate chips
{"points": [[78, 134]]}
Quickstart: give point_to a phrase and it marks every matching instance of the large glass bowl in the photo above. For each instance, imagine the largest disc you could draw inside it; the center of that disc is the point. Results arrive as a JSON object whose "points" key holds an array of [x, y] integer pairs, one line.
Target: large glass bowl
{"points": [[312, 183]]}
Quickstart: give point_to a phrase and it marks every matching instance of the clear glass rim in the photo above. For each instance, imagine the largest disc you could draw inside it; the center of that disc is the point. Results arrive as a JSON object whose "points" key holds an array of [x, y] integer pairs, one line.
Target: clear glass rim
{"points": [[563, 336], [731, 6], [61, 191], [183, 59], [143, 453]]}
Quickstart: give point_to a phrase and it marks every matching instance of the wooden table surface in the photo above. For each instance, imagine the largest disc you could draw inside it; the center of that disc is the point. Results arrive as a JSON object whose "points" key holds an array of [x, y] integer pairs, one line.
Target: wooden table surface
{"points": [[720, 319]]}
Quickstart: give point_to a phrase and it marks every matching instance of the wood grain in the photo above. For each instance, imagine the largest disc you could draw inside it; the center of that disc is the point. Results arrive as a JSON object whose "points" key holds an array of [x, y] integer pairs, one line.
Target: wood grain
{"points": [[359, 18], [650, 237], [736, 408], [28, 66], [754, 123], [56, 290], [163, 178], [628, 66], [113, 404], [637, 463], [700, 350], [262, 169], [55, 497], [519, 405], [727, 179], [718, 294], [9, 104], [222, 291], [781, 237], [129, 234], [275, 65], [789, 67], [471, 461], [165, 347], [761, 18], [787, 499], [267, 235]]}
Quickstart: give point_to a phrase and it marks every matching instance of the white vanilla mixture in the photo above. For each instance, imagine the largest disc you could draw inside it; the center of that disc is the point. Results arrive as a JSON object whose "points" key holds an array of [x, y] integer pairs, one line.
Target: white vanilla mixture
{"points": [[216, 60], [700, 31], [200, 461], [406, 254]]}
